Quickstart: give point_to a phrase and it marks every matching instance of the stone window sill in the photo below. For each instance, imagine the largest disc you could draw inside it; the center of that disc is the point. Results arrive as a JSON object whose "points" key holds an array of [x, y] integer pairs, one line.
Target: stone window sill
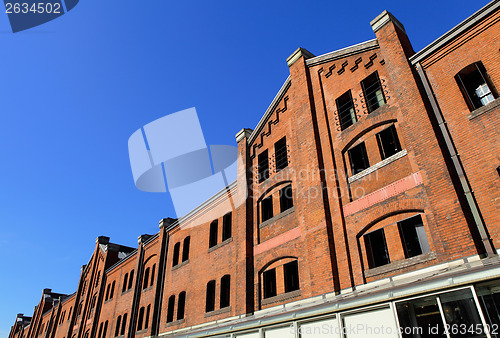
{"points": [[176, 322], [377, 166], [142, 331], [401, 264], [147, 289], [218, 312], [215, 247], [180, 265], [126, 291], [277, 217], [484, 109], [281, 297]]}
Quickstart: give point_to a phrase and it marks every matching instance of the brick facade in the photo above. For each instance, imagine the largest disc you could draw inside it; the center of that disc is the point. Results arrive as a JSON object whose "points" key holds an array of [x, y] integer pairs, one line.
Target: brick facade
{"points": [[369, 138]]}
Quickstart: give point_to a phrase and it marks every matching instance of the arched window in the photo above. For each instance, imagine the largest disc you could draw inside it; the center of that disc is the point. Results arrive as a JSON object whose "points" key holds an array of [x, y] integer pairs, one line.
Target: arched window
{"points": [[146, 279], [124, 323], [175, 259], [170, 309], [185, 249], [125, 281], [146, 323], [210, 299], [476, 86], [105, 330], [131, 279], [100, 330], [152, 275], [227, 221], [140, 319], [225, 291], [69, 315], [108, 288], [213, 234], [118, 325], [181, 305], [112, 290]]}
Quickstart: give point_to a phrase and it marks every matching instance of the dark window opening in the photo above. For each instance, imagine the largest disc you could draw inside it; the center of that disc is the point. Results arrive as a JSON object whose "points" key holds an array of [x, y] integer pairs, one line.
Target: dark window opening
{"points": [[373, 93], [105, 330], [226, 226], [181, 305], [267, 208], [69, 314], [213, 233], [185, 248], [358, 158], [413, 236], [146, 279], [124, 324], [269, 280], [281, 154], [388, 142], [100, 330], [476, 86], [263, 166], [108, 288], [225, 291], [118, 325], [112, 290], [291, 272], [141, 319], [131, 279], [286, 198], [125, 282], [210, 299], [170, 309], [152, 279], [376, 248], [345, 110], [175, 259], [146, 323]]}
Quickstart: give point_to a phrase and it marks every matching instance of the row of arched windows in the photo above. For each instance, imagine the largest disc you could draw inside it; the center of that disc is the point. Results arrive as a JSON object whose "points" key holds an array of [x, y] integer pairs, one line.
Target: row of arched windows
{"points": [[149, 281], [121, 323], [225, 293], [103, 328], [181, 306], [110, 290], [143, 319], [130, 278], [185, 251]]}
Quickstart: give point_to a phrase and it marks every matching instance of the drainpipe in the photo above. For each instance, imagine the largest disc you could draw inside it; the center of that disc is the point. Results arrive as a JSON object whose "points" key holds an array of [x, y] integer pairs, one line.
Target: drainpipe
{"points": [[457, 165]]}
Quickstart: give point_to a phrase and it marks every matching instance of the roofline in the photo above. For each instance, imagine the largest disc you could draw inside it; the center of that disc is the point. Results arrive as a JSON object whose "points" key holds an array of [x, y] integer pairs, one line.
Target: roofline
{"points": [[201, 206], [108, 270], [455, 31], [344, 52], [269, 110]]}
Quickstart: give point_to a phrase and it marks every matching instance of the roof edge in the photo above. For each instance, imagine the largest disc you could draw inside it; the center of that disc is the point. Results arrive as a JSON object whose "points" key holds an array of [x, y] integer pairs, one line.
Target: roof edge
{"points": [[455, 31], [344, 52], [269, 110]]}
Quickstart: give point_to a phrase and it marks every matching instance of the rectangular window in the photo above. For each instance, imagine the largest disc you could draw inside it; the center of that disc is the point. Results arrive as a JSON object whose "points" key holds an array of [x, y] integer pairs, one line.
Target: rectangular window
{"points": [[476, 86], [373, 93], [358, 158], [388, 142], [263, 166], [376, 248], [291, 271], [413, 236], [281, 154], [269, 278], [267, 208], [345, 110], [286, 198]]}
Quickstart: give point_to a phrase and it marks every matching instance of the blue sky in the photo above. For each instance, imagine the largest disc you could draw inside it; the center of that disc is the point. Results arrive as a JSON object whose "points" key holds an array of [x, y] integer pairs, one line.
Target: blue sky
{"points": [[72, 91]]}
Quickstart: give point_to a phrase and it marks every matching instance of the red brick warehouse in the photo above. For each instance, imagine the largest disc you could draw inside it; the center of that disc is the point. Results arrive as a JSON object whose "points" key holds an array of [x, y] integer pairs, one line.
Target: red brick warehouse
{"points": [[371, 199]]}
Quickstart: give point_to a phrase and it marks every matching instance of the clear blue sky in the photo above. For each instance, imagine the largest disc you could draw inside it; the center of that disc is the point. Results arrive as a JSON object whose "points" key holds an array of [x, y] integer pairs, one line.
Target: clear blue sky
{"points": [[73, 90]]}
